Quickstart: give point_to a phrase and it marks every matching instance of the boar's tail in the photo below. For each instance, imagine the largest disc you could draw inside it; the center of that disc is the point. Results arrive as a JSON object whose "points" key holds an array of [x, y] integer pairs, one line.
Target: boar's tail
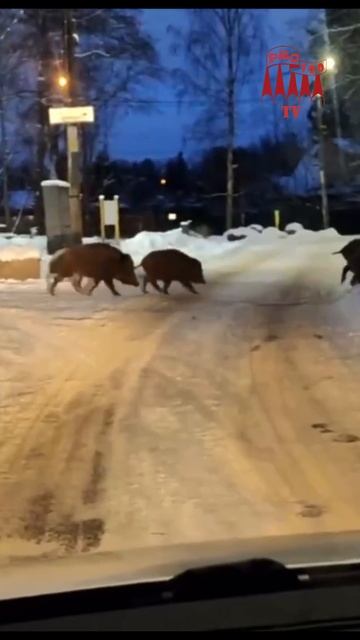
{"points": [[334, 253]]}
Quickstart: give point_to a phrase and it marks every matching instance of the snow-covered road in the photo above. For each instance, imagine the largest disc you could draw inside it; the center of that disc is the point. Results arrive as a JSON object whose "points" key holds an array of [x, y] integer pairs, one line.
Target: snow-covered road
{"points": [[151, 421]]}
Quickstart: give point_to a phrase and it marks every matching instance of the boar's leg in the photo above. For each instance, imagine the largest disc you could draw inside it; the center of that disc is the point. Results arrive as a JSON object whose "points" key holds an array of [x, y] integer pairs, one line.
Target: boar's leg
{"points": [[76, 282], [154, 284], [166, 286], [188, 285], [93, 286], [354, 280], [110, 285], [54, 283], [144, 283]]}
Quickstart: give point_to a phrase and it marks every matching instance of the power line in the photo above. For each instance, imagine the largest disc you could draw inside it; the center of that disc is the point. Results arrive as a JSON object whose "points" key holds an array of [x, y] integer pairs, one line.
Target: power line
{"points": [[184, 102]]}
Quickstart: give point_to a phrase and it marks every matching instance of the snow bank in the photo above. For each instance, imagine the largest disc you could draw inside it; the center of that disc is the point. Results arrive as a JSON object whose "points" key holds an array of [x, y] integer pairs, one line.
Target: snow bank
{"points": [[251, 231], [13, 252], [296, 227], [203, 248], [212, 248], [11, 239]]}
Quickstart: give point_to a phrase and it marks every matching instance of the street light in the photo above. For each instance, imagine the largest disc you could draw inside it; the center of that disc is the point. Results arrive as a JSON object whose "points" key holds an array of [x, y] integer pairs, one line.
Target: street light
{"points": [[330, 64], [62, 81], [163, 181]]}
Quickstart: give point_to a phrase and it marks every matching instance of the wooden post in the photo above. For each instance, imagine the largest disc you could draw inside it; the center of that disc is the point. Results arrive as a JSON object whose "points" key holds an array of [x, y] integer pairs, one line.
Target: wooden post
{"points": [[74, 178]]}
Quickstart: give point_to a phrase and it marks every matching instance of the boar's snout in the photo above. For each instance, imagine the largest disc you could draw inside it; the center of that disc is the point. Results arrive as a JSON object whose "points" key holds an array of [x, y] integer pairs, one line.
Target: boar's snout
{"points": [[128, 277], [133, 281], [126, 271], [200, 276]]}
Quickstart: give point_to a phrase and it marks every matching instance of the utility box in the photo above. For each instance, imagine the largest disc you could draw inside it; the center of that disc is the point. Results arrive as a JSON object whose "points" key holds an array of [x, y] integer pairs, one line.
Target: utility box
{"points": [[58, 225]]}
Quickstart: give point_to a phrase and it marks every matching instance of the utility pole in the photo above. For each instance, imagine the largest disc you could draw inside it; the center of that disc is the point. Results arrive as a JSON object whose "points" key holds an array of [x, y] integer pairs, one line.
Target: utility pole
{"points": [[72, 133], [334, 98], [324, 198], [5, 160]]}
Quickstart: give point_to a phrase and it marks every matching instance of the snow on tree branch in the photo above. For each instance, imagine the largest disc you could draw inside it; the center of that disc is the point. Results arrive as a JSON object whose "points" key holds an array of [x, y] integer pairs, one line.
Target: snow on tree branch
{"points": [[94, 52]]}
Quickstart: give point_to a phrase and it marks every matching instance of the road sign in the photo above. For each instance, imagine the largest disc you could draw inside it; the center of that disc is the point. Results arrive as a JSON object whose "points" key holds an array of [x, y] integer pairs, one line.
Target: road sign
{"points": [[71, 115]]}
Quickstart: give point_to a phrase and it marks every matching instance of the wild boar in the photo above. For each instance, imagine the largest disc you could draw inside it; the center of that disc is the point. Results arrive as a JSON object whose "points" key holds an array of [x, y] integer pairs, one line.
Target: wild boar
{"points": [[97, 261], [170, 265], [351, 253]]}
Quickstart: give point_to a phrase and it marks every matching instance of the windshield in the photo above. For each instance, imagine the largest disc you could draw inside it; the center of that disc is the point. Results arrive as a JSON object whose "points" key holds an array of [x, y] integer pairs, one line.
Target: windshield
{"points": [[179, 333]]}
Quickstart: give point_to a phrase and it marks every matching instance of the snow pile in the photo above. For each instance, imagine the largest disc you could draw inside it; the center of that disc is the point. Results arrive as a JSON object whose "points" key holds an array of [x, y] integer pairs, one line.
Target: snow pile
{"points": [[13, 252], [256, 234], [294, 227], [271, 234], [203, 248], [252, 231], [329, 233], [296, 230], [11, 239], [210, 249]]}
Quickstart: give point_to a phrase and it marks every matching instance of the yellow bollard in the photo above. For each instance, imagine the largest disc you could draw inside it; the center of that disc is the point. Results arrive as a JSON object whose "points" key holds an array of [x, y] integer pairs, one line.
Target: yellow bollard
{"points": [[277, 218]]}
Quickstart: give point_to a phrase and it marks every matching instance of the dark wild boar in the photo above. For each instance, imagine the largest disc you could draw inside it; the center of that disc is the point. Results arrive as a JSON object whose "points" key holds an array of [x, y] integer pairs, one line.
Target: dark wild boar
{"points": [[170, 265], [351, 253], [97, 261]]}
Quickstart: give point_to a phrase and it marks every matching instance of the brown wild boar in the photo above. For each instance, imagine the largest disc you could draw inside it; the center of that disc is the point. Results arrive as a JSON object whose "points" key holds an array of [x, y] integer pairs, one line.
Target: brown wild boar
{"points": [[97, 261], [351, 253], [170, 265]]}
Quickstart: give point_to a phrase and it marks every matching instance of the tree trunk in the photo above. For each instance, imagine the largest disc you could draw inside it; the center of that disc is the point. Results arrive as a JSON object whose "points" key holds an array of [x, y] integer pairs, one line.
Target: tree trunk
{"points": [[230, 184], [4, 158], [43, 86]]}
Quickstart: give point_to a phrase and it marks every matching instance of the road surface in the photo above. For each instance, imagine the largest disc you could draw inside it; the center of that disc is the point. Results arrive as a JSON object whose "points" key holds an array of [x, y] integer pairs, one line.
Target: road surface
{"points": [[151, 421]]}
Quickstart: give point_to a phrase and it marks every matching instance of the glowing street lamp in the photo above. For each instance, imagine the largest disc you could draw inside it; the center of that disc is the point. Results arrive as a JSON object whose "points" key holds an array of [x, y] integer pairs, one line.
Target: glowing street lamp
{"points": [[163, 181], [62, 81], [330, 64]]}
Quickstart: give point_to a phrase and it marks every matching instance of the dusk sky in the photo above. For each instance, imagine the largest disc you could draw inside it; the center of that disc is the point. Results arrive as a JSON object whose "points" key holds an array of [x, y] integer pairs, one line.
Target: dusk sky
{"points": [[162, 133]]}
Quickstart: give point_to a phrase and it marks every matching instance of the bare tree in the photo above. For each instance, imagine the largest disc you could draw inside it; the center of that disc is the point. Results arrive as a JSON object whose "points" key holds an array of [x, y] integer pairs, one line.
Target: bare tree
{"points": [[335, 33], [9, 81], [117, 65], [114, 60], [216, 53]]}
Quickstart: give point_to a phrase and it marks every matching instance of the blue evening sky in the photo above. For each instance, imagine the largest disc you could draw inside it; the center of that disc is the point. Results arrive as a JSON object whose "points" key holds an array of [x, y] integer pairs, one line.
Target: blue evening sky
{"points": [[161, 133]]}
